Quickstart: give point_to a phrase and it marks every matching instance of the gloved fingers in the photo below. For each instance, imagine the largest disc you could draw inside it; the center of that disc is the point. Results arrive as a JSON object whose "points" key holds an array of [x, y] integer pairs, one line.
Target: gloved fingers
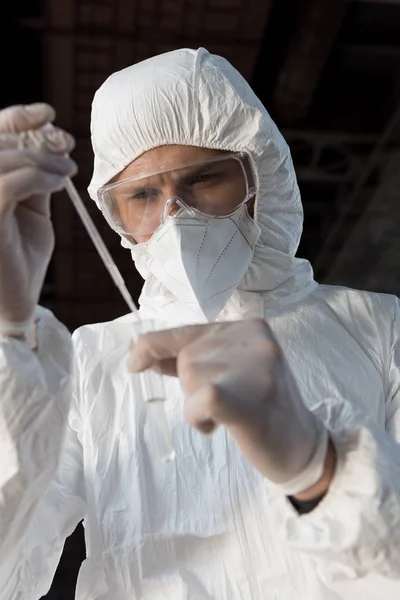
{"points": [[11, 160], [18, 118], [48, 139], [194, 340], [24, 183], [156, 346]]}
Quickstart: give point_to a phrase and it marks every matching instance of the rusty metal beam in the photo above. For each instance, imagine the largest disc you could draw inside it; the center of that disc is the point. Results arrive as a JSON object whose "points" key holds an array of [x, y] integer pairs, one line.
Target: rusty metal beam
{"points": [[308, 52], [336, 237], [378, 1], [375, 242], [328, 136]]}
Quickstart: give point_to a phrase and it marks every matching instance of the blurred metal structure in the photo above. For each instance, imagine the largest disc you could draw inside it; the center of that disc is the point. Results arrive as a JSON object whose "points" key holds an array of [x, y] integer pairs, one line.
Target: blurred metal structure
{"points": [[317, 28], [334, 248], [376, 235]]}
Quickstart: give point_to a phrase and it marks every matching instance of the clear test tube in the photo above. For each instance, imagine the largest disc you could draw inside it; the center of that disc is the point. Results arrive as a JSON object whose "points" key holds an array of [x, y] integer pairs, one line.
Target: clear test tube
{"points": [[154, 395]]}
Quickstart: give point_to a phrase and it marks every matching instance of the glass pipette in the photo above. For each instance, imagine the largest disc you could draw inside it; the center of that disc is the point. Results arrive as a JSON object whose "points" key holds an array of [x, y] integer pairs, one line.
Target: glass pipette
{"points": [[99, 244]]}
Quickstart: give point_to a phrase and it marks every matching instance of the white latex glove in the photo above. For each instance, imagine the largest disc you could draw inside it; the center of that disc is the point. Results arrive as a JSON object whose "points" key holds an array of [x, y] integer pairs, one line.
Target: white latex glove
{"points": [[234, 374], [27, 178]]}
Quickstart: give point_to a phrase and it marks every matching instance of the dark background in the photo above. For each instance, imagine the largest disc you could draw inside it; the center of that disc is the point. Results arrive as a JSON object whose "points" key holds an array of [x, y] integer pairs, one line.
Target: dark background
{"points": [[329, 73]]}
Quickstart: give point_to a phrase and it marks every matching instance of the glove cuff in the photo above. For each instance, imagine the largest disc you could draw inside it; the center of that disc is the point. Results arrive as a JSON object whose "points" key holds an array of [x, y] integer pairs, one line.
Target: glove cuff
{"points": [[314, 469], [17, 330]]}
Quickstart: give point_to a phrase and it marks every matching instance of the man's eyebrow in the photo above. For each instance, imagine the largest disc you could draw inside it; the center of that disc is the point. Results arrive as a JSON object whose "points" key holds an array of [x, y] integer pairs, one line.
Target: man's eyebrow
{"points": [[196, 169]]}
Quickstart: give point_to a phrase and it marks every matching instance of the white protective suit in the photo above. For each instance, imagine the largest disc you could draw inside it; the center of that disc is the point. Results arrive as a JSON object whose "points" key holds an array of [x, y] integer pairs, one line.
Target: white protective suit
{"points": [[207, 526], [31, 425]]}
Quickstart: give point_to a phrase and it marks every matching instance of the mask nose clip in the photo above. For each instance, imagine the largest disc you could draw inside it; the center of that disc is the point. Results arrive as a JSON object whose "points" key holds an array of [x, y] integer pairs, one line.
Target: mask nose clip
{"points": [[172, 206]]}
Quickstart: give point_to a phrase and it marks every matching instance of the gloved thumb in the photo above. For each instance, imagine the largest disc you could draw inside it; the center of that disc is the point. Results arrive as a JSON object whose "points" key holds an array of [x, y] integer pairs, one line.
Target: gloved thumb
{"points": [[156, 346], [15, 119]]}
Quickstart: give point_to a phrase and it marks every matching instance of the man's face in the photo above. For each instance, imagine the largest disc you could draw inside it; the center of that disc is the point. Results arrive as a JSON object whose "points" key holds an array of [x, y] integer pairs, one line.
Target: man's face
{"points": [[188, 173]]}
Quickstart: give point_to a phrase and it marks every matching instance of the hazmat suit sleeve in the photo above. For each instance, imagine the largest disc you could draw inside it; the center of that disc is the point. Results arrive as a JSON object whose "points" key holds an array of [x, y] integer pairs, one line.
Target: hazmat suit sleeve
{"points": [[355, 530], [34, 404], [41, 489]]}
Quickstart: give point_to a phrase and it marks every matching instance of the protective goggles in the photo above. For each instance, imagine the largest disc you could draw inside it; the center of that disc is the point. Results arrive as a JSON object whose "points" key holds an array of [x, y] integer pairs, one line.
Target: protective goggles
{"points": [[213, 188]]}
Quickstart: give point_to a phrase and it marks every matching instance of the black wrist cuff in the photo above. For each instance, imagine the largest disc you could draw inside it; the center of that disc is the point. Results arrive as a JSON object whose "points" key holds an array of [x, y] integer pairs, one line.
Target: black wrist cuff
{"points": [[305, 506]]}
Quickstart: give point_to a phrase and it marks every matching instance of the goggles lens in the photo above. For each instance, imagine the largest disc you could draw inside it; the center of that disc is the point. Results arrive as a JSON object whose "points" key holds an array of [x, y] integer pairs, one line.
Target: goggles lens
{"points": [[214, 188]]}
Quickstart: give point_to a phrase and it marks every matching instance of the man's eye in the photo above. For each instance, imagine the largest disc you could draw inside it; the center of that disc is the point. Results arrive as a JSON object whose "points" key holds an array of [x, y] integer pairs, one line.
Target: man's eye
{"points": [[203, 178], [145, 194]]}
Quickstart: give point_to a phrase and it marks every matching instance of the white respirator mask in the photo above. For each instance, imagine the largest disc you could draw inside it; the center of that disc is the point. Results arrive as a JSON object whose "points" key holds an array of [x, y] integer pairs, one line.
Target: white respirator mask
{"points": [[200, 260]]}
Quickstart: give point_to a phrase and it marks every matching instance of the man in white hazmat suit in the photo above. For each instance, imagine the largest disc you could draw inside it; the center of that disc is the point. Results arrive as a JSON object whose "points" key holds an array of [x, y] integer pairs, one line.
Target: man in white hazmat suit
{"points": [[182, 148]]}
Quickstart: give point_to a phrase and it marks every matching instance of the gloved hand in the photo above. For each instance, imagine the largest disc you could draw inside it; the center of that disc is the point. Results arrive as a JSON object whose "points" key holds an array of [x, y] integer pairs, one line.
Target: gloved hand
{"points": [[234, 374], [27, 178]]}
